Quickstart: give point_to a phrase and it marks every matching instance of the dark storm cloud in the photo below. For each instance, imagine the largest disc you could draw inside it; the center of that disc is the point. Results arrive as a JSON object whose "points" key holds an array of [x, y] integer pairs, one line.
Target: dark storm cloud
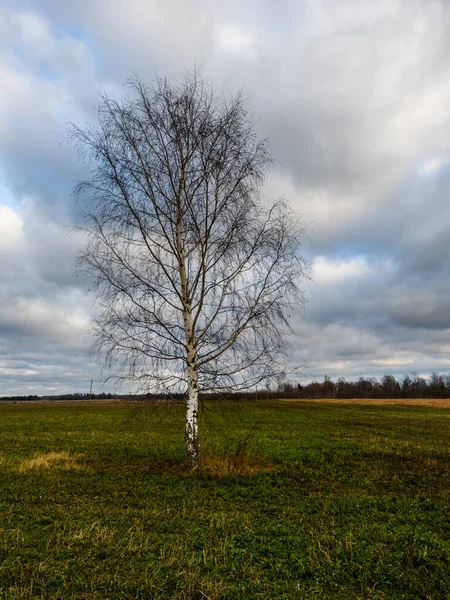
{"points": [[424, 309]]}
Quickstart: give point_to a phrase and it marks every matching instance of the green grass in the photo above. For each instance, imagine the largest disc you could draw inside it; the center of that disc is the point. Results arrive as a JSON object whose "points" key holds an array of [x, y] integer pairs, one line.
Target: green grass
{"points": [[313, 501]]}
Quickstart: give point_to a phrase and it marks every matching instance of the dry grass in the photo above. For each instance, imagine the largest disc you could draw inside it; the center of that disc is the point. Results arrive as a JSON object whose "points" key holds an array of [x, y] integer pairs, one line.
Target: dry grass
{"points": [[51, 460], [79, 402], [428, 402], [245, 466]]}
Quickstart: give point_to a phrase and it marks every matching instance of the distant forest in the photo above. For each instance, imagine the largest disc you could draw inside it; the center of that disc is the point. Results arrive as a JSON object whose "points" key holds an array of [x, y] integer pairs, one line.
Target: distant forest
{"points": [[435, 386]]}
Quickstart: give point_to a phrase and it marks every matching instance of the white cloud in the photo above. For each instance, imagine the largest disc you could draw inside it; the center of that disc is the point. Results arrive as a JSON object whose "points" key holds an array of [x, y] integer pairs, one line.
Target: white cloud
{"points": [[233, 39], [330, 271], [11, 230]]}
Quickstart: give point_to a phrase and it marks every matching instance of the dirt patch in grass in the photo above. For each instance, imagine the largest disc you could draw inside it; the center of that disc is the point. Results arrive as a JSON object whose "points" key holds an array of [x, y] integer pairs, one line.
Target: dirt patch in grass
{"points": [[243, 466], [429, 402], [213, 466], [51, 460]]}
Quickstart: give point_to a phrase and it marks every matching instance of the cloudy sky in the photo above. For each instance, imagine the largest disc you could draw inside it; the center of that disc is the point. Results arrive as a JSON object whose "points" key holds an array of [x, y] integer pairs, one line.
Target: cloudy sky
{"points": [[355, 97]]}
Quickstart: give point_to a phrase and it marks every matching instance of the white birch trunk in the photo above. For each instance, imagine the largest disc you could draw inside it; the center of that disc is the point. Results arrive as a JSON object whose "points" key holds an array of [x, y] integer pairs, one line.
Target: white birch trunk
{"points": [[191, 433], [192, 442]]}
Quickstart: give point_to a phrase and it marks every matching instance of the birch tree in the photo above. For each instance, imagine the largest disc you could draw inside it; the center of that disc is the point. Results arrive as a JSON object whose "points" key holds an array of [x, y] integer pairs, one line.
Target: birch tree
{"points": [[195, 272]]}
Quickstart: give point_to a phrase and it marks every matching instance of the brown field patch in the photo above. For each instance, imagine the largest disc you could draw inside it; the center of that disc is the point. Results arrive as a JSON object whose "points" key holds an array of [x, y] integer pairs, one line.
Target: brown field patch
{"points": [[51, 460], [245, 466], [430, 402]]}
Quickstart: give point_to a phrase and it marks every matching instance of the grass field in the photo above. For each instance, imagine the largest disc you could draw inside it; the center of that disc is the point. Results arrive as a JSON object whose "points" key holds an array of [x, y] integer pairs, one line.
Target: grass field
{"points": [[294, 500]]}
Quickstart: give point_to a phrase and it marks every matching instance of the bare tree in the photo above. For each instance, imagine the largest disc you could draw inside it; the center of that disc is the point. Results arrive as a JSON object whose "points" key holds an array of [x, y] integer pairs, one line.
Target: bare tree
{"points": [[195, 273]]}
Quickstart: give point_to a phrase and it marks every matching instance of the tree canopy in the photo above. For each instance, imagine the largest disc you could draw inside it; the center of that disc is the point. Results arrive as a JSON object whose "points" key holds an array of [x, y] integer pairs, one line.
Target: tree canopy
{"points": [[196, 273]]}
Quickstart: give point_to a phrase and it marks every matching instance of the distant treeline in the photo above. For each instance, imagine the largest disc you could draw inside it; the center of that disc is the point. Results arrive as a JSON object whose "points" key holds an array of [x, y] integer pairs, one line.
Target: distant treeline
{"points": [[435, 386], [75, 396]]}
